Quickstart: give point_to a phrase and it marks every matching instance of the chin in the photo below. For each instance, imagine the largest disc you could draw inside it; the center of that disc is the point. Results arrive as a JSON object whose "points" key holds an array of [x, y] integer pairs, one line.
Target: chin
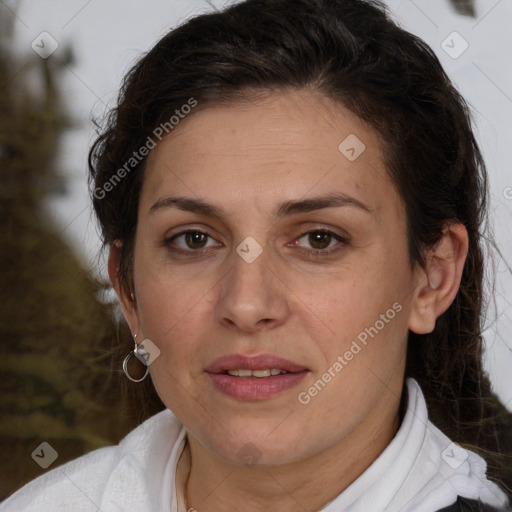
{"points": [[257, 445]]}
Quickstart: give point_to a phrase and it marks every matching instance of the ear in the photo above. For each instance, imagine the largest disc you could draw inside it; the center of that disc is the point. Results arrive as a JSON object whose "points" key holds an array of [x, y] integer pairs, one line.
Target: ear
{"points": [[438, 283], [125, 295]]}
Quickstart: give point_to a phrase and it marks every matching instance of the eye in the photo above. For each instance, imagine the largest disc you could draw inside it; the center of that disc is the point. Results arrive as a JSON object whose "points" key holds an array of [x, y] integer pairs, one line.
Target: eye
{"points": [[320, 241], [191, 240]]}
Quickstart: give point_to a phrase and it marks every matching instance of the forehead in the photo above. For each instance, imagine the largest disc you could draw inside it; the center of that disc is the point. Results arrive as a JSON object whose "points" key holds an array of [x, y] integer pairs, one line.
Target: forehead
{"points": [[279, 147]]}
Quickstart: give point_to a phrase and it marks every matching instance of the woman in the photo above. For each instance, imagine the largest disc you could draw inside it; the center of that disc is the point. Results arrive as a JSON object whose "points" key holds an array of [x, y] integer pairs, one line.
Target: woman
{"points": [[292, 197]]}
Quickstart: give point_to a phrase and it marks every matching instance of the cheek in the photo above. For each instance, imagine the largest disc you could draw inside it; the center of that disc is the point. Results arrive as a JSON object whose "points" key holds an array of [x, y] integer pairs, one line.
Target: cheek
{"points": [[173, 315], [176, 319], [362, 342], [348, 301], [365, 339], [172, 308]]}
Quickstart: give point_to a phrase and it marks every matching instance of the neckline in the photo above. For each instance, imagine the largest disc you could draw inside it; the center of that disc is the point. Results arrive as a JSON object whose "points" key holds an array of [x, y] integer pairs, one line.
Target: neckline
{"points": [[182, 472]]}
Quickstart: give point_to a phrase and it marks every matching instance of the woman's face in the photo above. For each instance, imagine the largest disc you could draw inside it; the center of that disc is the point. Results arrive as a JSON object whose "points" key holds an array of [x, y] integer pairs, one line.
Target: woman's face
{"points": [[295, 260]]}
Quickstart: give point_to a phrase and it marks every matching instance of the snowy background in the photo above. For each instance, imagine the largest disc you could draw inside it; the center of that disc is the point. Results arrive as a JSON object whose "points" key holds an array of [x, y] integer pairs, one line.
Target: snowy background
{"points": [[107, 36]]}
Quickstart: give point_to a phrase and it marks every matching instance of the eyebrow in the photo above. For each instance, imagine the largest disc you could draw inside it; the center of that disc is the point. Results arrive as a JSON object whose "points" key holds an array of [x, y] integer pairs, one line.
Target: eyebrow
{"points": [[285, 209]]}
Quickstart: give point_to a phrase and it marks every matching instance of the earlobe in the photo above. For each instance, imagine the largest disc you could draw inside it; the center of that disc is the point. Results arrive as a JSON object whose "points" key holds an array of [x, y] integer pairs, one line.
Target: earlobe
{"points": [[438, 283], [126, 297]]}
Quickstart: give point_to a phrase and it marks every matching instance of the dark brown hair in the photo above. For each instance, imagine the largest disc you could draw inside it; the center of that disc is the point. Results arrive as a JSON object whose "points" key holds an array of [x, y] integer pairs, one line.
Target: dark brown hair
{"points": [[353, 52]]}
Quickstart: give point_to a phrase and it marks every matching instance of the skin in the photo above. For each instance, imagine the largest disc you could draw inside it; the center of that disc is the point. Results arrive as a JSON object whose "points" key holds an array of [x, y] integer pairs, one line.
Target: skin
{"points": [[248, 159]]}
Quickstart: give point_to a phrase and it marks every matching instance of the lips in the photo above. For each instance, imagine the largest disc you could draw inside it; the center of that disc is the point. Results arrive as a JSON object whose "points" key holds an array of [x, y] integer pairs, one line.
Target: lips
{"points": [[262, 362], [254, 378]]}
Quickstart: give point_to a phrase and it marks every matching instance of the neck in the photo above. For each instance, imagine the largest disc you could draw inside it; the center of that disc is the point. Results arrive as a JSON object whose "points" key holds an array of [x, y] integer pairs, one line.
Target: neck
{"points": [[216, 485]]}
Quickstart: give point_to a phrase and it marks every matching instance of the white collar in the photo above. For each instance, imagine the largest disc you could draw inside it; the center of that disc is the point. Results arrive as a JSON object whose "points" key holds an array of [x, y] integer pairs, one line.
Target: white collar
{"points": [[421, 470]]}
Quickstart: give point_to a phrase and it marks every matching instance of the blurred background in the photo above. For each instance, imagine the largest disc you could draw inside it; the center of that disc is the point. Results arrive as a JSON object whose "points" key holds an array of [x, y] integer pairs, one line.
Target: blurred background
{"points": [[61, 64]]}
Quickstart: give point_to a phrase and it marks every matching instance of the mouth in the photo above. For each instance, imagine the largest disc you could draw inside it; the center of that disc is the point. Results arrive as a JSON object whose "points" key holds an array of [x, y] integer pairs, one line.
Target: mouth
{"points": [[254, 378], [258, 374]]}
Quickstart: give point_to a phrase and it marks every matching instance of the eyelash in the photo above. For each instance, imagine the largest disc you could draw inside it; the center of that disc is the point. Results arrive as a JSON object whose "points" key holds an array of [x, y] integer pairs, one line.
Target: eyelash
{"points": [[309, 252], [342, 241]]}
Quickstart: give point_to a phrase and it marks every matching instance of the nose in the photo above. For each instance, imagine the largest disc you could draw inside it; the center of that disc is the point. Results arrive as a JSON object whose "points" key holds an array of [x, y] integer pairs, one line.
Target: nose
{"points": [[252, 297]]}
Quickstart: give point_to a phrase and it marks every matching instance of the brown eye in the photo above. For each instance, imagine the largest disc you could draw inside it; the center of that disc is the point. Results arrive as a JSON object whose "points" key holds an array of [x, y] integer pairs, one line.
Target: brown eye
{"points": [[319, 239], [320, 242], [190, 241], [196, 239]]}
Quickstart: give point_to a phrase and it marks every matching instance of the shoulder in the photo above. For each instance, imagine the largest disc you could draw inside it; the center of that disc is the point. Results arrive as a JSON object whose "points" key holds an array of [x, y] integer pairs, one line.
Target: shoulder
{"points": [[82, 484], [67, 484]]}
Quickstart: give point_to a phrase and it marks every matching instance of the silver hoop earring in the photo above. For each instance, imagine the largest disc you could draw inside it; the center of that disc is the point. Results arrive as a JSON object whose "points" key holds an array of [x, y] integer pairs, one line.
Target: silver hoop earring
{"points": [[131, 354]]}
